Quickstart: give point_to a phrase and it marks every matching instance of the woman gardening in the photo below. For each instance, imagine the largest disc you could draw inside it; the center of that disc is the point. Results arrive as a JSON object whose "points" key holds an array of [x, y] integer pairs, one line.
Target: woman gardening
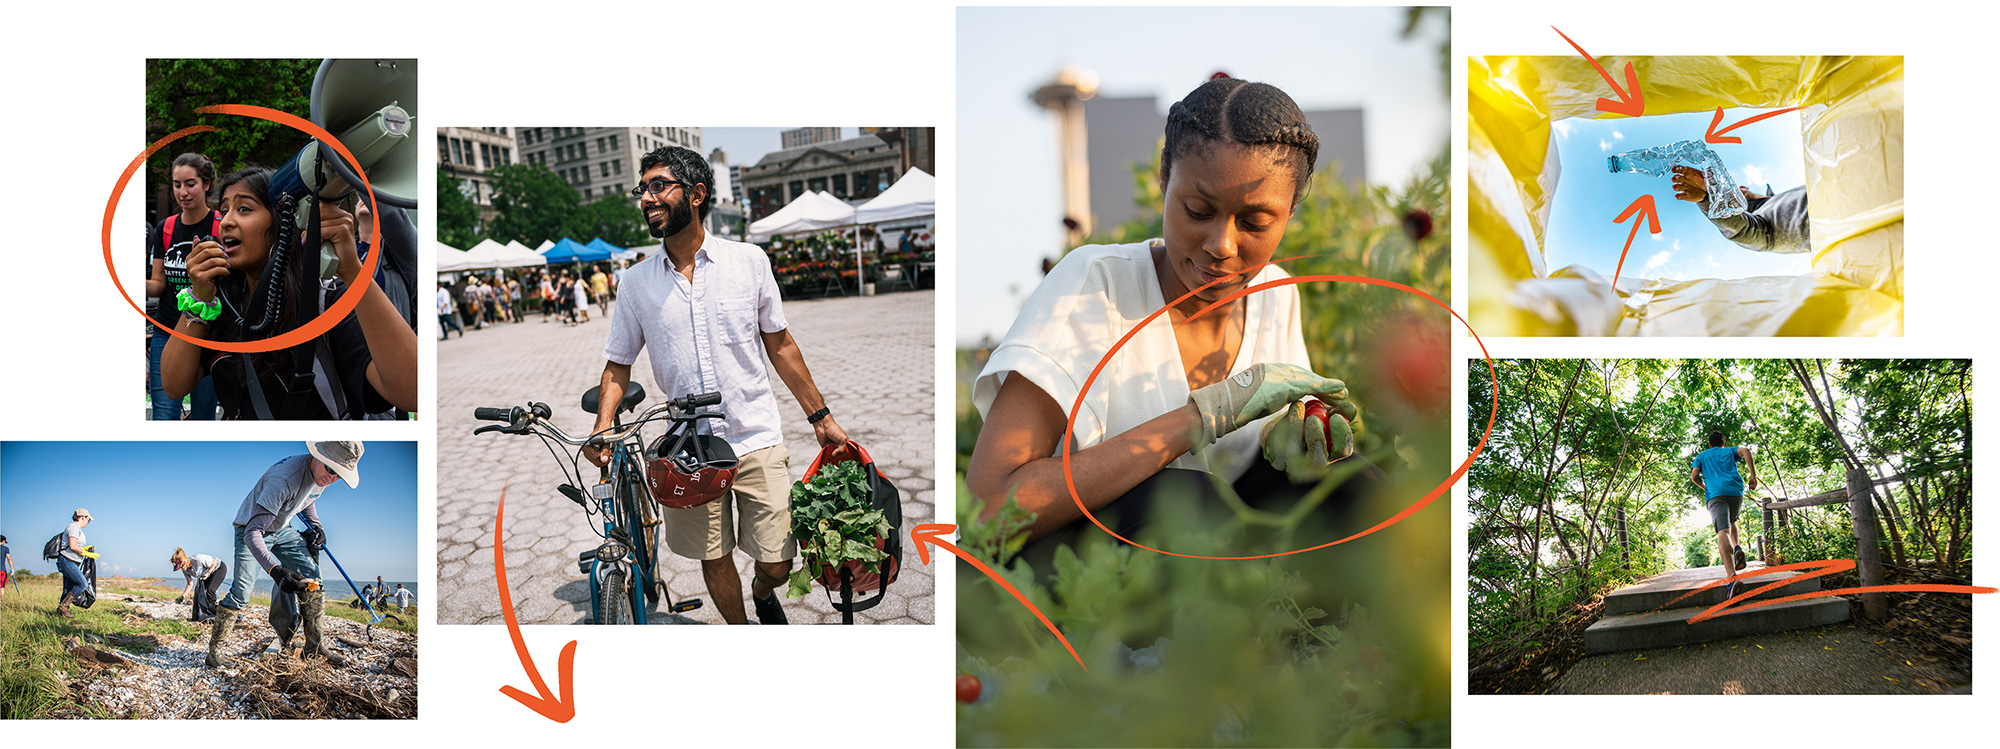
{"points": [[205, 575], [1175, 402], [366, 365]]}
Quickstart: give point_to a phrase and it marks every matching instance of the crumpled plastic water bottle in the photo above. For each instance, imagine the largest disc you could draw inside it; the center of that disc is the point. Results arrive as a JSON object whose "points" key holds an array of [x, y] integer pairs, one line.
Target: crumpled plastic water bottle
{"points": [[1724, 200]]}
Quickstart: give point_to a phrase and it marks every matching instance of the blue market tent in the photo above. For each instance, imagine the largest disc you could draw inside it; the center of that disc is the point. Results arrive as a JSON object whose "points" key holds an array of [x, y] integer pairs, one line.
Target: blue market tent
{"points": [[602, 250], [569, 251]]}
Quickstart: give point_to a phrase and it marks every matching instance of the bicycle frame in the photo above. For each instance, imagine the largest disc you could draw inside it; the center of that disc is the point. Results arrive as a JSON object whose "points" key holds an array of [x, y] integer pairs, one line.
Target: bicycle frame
{"points": [[615, 528]]}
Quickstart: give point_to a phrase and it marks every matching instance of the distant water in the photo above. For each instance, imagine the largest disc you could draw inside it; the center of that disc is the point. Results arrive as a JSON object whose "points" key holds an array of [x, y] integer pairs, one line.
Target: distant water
{"points": [[336, 588]]}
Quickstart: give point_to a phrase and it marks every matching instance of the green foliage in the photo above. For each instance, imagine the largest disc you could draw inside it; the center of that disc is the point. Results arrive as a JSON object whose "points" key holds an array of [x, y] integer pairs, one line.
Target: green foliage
{"points": [[1578, 442], [457, 215], [533, 204], [176, 88], [835, 522], [613, 218]]}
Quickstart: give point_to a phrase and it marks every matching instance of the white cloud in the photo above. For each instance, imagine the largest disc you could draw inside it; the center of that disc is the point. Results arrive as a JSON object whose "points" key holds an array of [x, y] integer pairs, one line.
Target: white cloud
{"points": [[1617, 135], [1753, 175], [1659, 237], [1603, 145], [1563, 128], [1658, 259]]}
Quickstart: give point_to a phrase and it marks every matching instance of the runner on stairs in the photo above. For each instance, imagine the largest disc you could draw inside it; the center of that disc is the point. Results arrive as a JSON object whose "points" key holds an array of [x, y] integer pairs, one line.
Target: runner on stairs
{"points": [[1715, 472]]}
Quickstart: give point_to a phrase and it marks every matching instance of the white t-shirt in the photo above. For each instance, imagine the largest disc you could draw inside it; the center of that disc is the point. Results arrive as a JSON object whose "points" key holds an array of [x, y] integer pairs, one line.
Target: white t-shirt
{"points": [[1095, 296], [701, 336], [75, 530]]}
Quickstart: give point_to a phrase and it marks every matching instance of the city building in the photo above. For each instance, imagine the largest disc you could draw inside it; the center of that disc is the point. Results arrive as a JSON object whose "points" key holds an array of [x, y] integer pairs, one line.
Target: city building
{"points": [[599, 161], [918, 145], [467, 153], [725, 215], [851, 169], [808, 136]]}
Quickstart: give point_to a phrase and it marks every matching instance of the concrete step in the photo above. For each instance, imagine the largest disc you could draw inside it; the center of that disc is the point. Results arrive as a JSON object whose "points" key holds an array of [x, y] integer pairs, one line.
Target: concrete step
{"points": [[1661, 590], [1670, 627]]}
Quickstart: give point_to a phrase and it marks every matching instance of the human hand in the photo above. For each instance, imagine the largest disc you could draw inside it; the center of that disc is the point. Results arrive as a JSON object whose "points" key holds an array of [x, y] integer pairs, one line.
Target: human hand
{"points": [[291, 582], [829, 433], [1309, 436], [363, 223], [89, 551], [205, 263], [336, 226], [594, 452], [315, 539], [1254, 393], [180, 598], [1690, 184], [1753, 483]]}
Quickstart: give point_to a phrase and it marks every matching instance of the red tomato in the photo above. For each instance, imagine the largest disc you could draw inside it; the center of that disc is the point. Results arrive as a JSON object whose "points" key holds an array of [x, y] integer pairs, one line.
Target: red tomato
{"points": [[968, 688]]}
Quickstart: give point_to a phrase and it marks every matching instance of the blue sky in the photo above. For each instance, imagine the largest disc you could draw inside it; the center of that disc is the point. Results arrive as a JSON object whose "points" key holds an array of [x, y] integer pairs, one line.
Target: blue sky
{"points": [[1589, 196], [149, 497], [1009, 194], [745, 145]]}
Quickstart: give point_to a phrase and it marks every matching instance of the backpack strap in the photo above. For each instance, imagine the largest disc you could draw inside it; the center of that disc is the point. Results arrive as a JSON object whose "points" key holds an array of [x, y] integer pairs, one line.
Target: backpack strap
{"points": [[167, 232]]}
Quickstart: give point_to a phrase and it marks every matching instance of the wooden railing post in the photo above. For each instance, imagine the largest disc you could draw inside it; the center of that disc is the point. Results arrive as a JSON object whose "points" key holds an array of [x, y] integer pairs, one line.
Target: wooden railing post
{"points": [[1867, 542]]}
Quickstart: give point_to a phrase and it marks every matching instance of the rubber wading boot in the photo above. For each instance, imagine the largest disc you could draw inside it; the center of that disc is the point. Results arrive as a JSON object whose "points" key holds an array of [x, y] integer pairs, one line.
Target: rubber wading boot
{"points": [[312, 605], [62, 609], [225, 620]]}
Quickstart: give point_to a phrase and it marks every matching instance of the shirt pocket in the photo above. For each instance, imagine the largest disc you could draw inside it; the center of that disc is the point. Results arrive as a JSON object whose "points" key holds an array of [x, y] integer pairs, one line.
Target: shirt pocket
{"points": [[735, 320]]}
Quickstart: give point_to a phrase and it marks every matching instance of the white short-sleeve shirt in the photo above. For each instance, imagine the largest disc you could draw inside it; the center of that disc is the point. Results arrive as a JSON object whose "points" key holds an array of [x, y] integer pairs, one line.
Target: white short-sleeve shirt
{"points": [[1095, 296], [703, 335]]}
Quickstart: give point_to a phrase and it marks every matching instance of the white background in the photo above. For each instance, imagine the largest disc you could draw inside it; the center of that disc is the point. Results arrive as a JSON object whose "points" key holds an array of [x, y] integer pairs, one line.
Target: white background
{"points": [[74, 101]]}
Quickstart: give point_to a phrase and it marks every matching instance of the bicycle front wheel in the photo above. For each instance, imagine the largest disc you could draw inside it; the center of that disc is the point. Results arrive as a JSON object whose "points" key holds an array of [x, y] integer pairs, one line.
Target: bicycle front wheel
{"points": [[615, 598]]}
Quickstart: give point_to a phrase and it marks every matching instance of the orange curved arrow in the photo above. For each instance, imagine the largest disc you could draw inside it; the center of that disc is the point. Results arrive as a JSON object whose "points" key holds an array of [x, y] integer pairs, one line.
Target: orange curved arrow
{"points": [[928, 534], [1718, 136], [559, 709], [1631, 101], [1647, 213]]}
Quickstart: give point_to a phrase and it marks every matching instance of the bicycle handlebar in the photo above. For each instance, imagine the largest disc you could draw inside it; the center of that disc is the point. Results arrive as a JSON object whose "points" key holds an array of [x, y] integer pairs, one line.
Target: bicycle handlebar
{"points": [[520, 419]]}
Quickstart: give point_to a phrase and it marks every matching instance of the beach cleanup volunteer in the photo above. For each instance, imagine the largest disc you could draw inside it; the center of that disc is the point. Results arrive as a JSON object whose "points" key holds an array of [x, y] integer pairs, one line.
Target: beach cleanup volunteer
{"points": [[265, 539]]}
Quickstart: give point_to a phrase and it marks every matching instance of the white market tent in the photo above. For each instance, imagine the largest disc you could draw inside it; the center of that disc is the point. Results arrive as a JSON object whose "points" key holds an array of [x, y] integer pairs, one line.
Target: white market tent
{"points": [[808, 212], [491, 254], [912, 196], [450, 258], [546, 244], [515, 246]]}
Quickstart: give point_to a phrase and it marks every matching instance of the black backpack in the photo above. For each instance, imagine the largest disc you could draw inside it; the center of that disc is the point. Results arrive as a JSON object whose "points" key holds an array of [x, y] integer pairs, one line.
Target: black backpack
{"points": [[54, 548]]}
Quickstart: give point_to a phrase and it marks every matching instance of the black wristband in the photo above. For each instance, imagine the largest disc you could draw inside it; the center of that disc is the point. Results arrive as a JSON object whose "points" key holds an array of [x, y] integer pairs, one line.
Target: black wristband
{"points": [[815, 416]]}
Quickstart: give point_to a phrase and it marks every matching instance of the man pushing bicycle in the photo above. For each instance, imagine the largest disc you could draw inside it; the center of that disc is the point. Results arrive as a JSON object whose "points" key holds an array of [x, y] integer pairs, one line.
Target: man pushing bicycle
{"points": [[265, 539], [706, 311]]}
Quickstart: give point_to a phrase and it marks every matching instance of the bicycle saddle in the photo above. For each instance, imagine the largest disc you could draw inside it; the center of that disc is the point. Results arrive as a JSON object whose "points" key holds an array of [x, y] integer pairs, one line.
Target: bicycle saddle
{"points": [[635, 394]]}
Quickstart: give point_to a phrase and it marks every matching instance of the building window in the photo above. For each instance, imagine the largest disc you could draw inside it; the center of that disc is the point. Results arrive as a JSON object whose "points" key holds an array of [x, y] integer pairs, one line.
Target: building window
{"points": [[485, 156], [617, 167], [604, 169], [442, 152], [816, 184], [797, 188], [456, 157], [840, 185]]}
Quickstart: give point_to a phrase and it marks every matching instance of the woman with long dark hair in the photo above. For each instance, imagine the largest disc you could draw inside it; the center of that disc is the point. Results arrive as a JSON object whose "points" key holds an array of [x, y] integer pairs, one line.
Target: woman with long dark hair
{"points": [[365, 366], [1176, 402], [168, 244]]}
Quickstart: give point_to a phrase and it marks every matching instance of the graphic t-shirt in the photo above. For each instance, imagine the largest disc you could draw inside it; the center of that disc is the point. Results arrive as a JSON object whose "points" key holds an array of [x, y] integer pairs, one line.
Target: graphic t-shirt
{"points": [[173, 255], [1718, 472]]}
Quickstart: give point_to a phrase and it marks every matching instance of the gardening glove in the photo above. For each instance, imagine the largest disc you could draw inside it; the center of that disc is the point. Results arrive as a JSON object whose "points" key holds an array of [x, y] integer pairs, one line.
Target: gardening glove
{"points": [[315, 539], [1309, 436], [1258, 391], [291, 582], [89, 551]]}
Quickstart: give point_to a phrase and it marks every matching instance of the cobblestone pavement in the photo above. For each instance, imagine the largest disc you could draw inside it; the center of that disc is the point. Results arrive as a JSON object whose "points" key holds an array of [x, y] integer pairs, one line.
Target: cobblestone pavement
{"points": [[873, 359]]}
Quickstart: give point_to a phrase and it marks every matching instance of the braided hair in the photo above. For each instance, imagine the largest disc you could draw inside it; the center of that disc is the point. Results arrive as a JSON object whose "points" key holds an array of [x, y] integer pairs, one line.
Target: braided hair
{"points": [[1256, 115]]}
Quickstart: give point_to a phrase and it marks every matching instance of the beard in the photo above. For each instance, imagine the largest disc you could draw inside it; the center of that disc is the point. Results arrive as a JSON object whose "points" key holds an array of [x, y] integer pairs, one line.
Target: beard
{"points": [[679, 215]]}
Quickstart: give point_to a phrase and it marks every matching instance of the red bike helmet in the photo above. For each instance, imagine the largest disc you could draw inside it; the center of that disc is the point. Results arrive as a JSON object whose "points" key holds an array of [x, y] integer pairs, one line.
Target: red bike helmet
{"points": [[693, 471]]}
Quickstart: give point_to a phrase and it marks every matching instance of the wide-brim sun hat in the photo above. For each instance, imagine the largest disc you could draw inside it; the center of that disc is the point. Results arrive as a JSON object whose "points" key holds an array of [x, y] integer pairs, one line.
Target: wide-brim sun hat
{"points": [[343, 458]]}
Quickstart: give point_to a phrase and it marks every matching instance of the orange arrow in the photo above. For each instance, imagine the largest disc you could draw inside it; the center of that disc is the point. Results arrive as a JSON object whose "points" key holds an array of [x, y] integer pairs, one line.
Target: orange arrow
{"points": [[558, 710], [930, 533], [1716, 136], [1632, 103], [1647, 213]]}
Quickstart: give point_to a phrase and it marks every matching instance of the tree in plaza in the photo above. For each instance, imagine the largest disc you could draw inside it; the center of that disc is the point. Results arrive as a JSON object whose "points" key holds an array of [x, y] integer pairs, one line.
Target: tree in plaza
{"points": [[613, 218], [457, 215], [175, 88], [533, 204]]}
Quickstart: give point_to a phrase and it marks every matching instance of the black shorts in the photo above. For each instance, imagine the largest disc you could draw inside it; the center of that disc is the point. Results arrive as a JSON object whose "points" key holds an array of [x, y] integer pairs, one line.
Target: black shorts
{"points": [[1724, 510]]}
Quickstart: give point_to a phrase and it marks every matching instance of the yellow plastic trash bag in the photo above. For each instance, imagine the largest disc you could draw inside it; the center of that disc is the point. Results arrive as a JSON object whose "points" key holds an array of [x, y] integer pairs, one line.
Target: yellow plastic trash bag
{"points": [[1851, 110]]}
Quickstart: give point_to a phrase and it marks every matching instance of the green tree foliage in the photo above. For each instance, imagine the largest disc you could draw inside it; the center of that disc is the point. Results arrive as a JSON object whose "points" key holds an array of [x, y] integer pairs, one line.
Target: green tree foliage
{"points": [[533, 203], [613, 218], [457, 215], [176, 88], [1580, 443]]}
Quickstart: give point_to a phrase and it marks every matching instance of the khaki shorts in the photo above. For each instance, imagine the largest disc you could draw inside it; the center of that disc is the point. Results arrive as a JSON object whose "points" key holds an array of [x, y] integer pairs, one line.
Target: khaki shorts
{"points": [[756, 516]]}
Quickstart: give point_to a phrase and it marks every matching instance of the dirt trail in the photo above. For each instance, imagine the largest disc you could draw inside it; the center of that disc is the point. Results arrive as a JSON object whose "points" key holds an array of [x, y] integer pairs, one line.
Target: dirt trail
{"points": [[256, 681]]}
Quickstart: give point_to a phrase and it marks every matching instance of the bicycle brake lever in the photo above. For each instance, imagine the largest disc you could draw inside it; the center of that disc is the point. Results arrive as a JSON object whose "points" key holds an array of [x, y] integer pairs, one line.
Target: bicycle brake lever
{"points": [[574, 494], [495, 428]]}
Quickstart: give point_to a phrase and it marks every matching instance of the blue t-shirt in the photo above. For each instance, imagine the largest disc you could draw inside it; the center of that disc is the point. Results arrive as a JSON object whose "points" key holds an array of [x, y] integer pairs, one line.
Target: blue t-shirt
{"points": [[1718, 472]]}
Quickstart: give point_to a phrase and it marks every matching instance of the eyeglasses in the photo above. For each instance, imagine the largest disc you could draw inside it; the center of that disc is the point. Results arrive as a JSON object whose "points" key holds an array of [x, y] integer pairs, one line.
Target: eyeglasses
{"points": [[654, 187]]}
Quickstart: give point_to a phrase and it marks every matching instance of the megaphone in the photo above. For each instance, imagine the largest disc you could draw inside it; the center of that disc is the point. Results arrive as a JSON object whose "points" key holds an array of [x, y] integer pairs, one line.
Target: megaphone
{"points": [[371, 105]]}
